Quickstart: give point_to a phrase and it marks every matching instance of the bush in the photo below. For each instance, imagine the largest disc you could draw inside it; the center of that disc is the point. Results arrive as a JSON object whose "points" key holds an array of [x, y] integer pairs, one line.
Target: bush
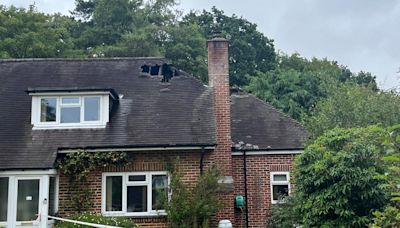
{"points": [[339, 180], [192, 205], [98, 219], [389, 218]]}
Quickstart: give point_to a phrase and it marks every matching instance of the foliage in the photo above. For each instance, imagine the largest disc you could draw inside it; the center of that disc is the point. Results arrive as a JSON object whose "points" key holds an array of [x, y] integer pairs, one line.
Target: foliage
{"points": [[354, 106], [249, 50], [297, 84], [30, 34], [77, 166], [283, 215], [389, 218], [192, 206], [337, 178], [98, 219], [186, 47]]}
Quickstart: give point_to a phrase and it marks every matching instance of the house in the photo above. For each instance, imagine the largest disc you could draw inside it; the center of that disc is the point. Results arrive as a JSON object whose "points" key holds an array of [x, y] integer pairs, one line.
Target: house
{"points": [[53, 107]]}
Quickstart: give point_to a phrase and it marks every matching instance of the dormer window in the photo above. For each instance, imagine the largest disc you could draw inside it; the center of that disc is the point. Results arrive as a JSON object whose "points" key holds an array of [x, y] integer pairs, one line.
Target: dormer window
{"points": [[70, 110]]}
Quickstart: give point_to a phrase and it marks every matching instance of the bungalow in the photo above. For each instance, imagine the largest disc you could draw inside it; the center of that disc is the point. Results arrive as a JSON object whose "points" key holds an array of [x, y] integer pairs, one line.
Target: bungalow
{"points": [[151, 111]]}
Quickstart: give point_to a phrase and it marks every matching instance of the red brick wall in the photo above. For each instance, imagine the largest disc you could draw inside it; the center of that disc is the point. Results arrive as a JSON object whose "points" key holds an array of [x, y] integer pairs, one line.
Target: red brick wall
{"points": [[141, 161], [258, 185]]}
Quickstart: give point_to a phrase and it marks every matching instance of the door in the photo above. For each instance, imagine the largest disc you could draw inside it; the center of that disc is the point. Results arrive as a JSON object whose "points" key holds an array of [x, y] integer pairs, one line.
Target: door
{"points": [[27, 201]]}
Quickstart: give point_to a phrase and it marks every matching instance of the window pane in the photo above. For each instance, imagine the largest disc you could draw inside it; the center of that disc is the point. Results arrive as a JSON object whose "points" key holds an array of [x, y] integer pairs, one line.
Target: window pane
{"points": [[280, 177], [70, 100], [159, 191], [137, 199], [70, 115], [3, 198], [48, 109], [28, 200], [92, 108], [114, 193], [52, 196], [280, 191], [137, 178]]}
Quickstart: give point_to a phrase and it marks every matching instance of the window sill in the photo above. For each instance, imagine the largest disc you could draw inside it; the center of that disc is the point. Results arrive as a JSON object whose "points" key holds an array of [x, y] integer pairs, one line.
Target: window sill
{"points": [[55, 127], [141, 215]]}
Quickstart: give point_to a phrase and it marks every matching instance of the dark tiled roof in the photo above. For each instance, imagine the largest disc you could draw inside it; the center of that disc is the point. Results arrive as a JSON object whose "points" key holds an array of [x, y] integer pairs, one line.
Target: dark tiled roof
{"points": [[149, 113], [259, 126]]}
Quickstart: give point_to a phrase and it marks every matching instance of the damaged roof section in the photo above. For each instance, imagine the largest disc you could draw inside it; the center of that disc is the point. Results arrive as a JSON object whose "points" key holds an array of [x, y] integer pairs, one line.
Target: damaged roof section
{"points": [[257, 125], [150, 112]]}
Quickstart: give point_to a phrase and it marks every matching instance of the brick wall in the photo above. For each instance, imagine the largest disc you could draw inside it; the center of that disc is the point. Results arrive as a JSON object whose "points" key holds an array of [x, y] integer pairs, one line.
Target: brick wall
{"points": [[258, 185], [140, 161]]}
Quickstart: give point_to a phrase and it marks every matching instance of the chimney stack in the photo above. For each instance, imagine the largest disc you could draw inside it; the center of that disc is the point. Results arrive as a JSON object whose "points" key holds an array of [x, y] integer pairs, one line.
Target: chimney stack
{"points": [[218, 78]]}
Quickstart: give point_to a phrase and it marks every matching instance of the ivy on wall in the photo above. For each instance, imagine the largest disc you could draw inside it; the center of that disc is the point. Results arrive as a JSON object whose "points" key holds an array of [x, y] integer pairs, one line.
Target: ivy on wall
{"points": [[77, 166]]}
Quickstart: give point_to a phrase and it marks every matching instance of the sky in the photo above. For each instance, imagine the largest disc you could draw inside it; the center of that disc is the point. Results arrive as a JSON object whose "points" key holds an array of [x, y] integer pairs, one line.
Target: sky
{"points": [[361, 34]]}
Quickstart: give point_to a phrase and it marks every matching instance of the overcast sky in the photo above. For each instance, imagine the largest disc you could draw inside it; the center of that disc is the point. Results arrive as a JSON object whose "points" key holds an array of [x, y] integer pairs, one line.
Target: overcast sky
{"points": [[361, 34]]}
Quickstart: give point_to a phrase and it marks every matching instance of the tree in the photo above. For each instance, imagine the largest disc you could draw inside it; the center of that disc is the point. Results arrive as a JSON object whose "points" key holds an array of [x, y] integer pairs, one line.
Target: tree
{"points": [[390, 217], [249, 50], [186, 47], [338, 178], [354, 106], [297, 84], [30, 34], [291, 91]]}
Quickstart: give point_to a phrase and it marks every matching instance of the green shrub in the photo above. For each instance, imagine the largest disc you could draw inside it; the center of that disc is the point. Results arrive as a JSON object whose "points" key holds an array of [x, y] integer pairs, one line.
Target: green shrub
{"points": [[390, 217], [98, 219]]}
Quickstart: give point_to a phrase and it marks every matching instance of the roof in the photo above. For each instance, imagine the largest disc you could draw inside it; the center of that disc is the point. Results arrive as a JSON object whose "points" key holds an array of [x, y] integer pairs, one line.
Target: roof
{"points": [[150, 112], [257, 125]]}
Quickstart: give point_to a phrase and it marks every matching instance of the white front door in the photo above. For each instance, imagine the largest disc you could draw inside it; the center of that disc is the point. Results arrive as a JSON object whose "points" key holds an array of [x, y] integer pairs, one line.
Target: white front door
{"points": [[26, 201]]}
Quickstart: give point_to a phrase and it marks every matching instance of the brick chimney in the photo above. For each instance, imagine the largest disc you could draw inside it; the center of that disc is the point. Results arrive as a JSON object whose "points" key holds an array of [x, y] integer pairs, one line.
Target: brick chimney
{"points": [[218, 77]]}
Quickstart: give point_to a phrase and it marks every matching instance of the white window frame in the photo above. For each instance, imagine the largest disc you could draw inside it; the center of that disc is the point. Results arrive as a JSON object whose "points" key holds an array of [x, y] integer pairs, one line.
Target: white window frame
{"points": [[125, 184], [103, 111], [272, 183]]}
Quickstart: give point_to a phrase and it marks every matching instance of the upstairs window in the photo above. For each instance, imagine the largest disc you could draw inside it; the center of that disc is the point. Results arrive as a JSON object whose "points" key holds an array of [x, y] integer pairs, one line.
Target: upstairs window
{"points": [[71, 111], [280, 186]]}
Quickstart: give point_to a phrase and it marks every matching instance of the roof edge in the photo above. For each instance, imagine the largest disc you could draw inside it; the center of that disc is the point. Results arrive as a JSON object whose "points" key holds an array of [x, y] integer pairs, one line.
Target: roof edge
{"points": [[82, 59]]}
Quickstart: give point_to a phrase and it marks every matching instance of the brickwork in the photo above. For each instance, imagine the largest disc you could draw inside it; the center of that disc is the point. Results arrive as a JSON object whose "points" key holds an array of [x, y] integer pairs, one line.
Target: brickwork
{"points": [[140, 161], [218, 73], [258, 185]]}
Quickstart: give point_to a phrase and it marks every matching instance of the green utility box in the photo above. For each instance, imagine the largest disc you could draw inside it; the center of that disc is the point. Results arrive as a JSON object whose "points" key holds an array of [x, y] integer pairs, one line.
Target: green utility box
{"points": [[239, 201]]}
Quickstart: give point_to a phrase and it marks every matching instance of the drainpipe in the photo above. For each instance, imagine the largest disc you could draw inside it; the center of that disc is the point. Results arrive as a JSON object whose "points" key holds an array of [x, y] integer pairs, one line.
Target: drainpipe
{"points": [[245, 187], [202, 160]]}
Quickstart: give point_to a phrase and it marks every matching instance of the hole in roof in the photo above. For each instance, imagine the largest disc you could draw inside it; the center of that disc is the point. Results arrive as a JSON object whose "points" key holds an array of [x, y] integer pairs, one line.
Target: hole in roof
{"points": [[166, 71], [155, 70]]}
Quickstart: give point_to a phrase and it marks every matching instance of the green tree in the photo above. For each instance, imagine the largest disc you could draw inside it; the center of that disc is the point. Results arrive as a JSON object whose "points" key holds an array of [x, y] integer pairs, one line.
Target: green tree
{"points": [[390, 217], [249, 50], [354, 106], [291, 91], [30, 34], [338, 178], [186, 47]]}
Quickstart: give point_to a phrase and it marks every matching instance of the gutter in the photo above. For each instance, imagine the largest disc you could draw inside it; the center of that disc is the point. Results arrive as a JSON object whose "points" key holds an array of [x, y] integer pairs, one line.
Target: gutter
{"points": [[65, 150]]}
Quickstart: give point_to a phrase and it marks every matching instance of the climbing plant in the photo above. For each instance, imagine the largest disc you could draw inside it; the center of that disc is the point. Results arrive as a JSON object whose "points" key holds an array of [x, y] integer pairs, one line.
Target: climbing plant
{"points": [[77, 166]]}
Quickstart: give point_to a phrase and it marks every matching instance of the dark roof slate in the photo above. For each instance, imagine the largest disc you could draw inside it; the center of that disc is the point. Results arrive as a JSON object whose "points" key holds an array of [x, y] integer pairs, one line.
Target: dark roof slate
{"points": [[149, 113], [257, 125]]}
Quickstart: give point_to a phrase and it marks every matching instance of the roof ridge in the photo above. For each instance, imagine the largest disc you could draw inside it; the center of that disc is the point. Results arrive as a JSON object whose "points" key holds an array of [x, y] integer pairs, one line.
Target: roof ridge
{"points": [[81, 59]]}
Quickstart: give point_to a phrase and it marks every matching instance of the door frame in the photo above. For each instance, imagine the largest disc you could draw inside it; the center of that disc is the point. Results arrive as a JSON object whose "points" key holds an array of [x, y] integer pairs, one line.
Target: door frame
{"points": [[44, 183]]}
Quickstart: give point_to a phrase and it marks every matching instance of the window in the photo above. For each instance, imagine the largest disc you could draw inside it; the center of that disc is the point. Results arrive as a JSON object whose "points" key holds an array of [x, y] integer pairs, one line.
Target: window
{"points": [[131, 194], [280, 186], [3, 198], [70, 111]]}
